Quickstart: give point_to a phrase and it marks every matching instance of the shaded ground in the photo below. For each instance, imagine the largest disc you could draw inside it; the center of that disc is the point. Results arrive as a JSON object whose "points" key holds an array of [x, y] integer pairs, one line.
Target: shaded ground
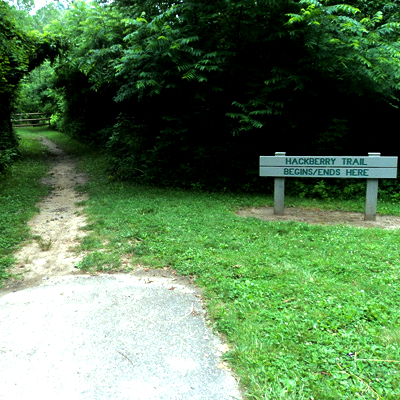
{"points": [[322, 217]]}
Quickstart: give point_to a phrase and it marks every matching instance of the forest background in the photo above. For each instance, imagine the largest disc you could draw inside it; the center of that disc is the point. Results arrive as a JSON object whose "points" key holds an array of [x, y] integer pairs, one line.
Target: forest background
{"points": [[190, 93]]}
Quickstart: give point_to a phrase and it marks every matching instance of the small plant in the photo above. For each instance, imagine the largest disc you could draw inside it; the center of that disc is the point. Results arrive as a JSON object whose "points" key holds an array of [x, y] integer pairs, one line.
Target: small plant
{"points": [[44, 242], [100, 261]]}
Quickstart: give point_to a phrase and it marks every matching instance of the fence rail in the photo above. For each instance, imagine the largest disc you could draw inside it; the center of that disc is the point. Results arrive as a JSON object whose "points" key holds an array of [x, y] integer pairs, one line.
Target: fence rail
{"points": [[41, 121]]}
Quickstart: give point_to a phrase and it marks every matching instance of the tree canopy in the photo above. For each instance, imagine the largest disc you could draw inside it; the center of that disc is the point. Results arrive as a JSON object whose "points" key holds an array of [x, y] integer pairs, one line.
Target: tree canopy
{"points": [[15, 51], [22, 49], [196, 89]]}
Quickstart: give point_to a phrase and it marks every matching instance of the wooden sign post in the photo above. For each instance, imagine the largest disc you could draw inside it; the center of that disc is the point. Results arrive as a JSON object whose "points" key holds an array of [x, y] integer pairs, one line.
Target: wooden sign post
{"points": [[372, 168]]}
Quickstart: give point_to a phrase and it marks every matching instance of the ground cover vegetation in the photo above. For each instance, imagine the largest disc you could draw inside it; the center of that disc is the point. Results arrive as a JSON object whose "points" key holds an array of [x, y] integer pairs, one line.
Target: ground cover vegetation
{"points": [[20, 190], [190, 93], [309, 312]]}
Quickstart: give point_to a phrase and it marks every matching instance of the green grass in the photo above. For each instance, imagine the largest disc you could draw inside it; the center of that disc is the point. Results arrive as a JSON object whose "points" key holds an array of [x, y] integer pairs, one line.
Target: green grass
{"points": [[310, 312], [20, 190]]}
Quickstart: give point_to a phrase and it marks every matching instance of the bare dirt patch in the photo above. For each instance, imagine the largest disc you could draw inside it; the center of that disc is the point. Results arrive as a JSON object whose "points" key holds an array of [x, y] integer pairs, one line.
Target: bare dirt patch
{"points": [[321, 217], [56, 229]]}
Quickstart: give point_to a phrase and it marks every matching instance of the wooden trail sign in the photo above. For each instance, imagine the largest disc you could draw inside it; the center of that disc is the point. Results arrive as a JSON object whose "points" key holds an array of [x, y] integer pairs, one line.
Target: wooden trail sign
{"points": [[372, 168]]}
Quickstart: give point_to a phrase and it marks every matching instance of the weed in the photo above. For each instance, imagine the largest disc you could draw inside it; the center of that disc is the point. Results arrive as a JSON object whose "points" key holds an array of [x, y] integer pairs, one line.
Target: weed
{"points": [[43, 242], [100, 261]]}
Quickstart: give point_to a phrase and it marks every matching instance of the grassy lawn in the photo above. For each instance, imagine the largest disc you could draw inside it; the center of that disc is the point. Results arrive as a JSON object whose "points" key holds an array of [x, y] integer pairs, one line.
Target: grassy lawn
{"points": [[310, 312]]}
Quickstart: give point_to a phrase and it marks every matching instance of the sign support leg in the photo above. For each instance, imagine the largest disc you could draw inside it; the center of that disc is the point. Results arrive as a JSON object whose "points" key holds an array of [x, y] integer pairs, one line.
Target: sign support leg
{"points": [[279, 191], [279, 196], [371, 199]]}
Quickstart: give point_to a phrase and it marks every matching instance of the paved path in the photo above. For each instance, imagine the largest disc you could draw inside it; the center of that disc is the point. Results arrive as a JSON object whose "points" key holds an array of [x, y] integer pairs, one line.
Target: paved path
{"points": [[130, 337]]}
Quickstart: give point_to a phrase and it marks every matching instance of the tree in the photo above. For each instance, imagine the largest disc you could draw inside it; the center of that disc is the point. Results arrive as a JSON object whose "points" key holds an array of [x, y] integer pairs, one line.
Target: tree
{"points": [[20, 52], [50, 12], [243, 75], [15, 49], [362, 50]]}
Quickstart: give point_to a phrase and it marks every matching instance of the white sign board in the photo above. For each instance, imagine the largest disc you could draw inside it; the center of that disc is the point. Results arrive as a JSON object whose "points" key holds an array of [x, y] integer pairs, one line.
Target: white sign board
{"points": [[372, 168], [329, 167]]}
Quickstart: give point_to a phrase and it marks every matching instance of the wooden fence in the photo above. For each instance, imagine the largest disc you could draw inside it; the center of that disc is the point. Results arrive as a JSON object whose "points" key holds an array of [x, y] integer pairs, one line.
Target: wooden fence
{"points": [[23, 119]]}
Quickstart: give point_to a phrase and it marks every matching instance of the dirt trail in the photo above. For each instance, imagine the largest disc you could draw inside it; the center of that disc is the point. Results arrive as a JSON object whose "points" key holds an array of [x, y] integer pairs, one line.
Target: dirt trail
{"points": [[56, 229]]}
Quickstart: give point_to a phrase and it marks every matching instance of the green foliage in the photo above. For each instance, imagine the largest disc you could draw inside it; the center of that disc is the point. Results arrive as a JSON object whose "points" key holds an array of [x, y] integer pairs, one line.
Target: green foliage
{"points": [[14, 60], [15, 49], [126, 149], [209, 86], [364, 50], [7, 157], [20, 51], [51, 11], [35, 92]]}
